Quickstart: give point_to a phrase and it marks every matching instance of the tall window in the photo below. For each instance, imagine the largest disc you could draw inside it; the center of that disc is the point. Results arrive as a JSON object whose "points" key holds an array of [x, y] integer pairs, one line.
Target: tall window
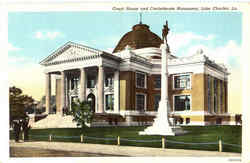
{"points": [[157, 99], [140, 102], [157, 82], [215, 96], [208, 94], [109, 102], [74, 83], [182, 103], [140, 80], [91, 82], [109, 80], [182, 82], [221, 96], [225, 94]]}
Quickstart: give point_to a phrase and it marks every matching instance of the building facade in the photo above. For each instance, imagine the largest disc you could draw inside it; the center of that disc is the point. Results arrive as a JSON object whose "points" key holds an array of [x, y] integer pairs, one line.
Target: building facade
{"points": [[124, 86]]}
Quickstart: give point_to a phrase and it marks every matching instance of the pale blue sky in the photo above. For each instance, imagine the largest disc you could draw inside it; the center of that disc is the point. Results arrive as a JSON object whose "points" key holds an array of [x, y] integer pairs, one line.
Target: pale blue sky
{"points": [[34, 36], [102, 30]]}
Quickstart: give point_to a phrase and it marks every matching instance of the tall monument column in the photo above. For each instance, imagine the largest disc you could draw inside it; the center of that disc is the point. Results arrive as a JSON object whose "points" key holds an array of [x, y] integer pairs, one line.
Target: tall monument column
{"points": [[100, 89], [164, 72], [82, 93], [62, 91], [48, 92], [161, 124]]}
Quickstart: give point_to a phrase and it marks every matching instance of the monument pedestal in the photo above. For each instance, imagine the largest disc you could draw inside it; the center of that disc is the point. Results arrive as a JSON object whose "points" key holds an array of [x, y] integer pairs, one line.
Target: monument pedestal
{"points": [[161, 124]]}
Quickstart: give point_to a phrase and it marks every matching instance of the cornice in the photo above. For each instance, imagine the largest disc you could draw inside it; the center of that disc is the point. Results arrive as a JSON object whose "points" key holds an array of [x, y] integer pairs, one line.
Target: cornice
{"points": [[72, 60], [66, 46], [95, 54]]}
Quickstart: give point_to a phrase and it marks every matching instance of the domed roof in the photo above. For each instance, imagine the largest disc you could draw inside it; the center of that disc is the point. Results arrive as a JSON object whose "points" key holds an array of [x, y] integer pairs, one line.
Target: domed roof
{"points": [[139, 37]]}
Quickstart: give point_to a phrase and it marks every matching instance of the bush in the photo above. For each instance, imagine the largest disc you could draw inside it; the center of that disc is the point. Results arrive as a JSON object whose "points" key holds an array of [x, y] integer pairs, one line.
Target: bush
{"points": [[82, 113]]}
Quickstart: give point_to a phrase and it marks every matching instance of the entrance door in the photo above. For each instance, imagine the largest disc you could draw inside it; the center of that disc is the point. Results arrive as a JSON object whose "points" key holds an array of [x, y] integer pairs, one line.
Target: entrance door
{"points": [[91, 98]]}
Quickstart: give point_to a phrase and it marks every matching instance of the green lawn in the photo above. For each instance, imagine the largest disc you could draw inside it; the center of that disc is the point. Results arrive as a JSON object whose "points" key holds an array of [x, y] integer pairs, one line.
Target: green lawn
{"points": [[196, 134]]}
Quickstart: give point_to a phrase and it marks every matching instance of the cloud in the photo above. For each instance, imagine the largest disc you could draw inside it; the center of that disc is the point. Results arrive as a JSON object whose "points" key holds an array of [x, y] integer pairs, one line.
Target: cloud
{"points": [[180, 40], [12, 47], [14, 59], [228, 54], [47, 35]]}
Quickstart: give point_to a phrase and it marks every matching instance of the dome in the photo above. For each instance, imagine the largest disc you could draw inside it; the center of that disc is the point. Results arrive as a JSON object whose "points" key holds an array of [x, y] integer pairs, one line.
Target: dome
{"points": [[139, 37]]}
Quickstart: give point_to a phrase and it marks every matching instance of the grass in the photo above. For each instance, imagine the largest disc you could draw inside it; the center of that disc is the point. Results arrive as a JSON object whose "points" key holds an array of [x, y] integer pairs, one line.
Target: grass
{"points": [[196, 134]]}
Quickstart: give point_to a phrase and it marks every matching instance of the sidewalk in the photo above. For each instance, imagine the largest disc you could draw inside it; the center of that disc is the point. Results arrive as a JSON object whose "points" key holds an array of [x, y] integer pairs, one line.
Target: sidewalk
{"points": [[122, 150]]}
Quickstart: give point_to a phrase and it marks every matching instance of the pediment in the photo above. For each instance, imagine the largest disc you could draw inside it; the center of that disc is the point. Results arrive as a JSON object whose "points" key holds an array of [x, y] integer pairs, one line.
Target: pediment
{"points": [[70, 51]]}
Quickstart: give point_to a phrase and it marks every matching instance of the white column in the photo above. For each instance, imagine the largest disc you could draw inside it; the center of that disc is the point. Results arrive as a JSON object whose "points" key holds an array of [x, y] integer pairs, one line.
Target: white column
{"points": [[70, 83], [164, 72], [48, 93], [116, 92], [100, 89], [66, 91], [62, 91], [82, 90]]}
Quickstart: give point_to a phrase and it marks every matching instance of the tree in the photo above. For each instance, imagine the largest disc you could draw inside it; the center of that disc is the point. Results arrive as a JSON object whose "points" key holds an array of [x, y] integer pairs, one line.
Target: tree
{"points": [[19, 103], [42, 102], [82, 113], [52, 100]]}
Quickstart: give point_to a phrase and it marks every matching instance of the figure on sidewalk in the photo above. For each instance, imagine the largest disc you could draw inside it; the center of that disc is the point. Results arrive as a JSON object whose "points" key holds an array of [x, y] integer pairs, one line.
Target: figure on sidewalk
{"points": [[26, 128], [17, 128], [63, 110]]}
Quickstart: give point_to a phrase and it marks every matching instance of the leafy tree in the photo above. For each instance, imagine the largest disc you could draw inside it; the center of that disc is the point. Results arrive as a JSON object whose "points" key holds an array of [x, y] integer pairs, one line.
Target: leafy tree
{"points": [[19, 103], [41, 105], [82, 113], [52, 100]]}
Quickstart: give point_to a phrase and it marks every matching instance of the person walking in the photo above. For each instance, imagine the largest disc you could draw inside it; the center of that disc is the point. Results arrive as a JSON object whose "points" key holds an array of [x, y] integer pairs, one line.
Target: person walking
{"points": [[24, 127], [63, 111], [17, 128]]}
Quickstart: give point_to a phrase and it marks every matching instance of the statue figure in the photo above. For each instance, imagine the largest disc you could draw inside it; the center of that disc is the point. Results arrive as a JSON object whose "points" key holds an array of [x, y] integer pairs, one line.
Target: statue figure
{"points": [[165, 31]]}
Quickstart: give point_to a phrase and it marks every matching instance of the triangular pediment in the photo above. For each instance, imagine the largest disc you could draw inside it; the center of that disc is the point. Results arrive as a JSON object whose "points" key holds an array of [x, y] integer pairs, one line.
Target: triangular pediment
{"points": [[70, 51]]}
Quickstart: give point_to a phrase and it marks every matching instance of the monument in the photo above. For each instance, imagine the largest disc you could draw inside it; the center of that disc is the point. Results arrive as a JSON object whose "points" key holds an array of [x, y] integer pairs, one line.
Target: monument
{"points": [[162, 124]]}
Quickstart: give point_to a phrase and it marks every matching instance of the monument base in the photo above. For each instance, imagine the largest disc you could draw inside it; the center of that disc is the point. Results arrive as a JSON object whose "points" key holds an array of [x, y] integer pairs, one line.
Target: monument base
{"points": [[174, 131], [161, 124]]}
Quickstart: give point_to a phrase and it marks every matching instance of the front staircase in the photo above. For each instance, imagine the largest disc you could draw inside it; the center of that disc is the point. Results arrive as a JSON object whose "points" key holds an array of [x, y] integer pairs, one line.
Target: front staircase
{"points": [[55, 121]]}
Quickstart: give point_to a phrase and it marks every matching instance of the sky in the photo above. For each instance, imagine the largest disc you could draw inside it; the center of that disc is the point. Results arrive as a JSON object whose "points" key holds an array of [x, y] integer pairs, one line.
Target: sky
{"points": [[32, 36]]}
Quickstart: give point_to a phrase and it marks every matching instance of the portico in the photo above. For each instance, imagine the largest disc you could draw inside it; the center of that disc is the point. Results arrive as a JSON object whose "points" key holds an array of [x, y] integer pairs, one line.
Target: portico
{"points": [[97, 75]]}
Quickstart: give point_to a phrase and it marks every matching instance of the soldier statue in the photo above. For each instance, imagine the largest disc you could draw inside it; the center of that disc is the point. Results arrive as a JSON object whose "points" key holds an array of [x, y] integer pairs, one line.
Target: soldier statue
{"points": [[165, 31], [164, 35]]}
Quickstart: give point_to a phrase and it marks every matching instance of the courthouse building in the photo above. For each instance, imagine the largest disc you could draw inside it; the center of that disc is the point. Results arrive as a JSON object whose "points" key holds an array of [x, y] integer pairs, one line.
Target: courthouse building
{"points": [[124, 86]]}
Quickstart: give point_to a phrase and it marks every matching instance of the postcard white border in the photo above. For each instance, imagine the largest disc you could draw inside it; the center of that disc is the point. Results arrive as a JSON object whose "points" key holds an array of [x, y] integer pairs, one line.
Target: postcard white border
{"points": [[244, 7]]}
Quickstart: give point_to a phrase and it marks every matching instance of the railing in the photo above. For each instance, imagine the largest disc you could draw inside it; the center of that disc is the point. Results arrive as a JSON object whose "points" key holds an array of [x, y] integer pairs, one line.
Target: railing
{"points": [[118, 140]]}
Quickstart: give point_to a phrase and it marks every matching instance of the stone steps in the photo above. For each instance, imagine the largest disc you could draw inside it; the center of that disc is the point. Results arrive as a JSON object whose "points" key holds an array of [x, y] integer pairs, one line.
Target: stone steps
{"points": [[55, 121]]}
